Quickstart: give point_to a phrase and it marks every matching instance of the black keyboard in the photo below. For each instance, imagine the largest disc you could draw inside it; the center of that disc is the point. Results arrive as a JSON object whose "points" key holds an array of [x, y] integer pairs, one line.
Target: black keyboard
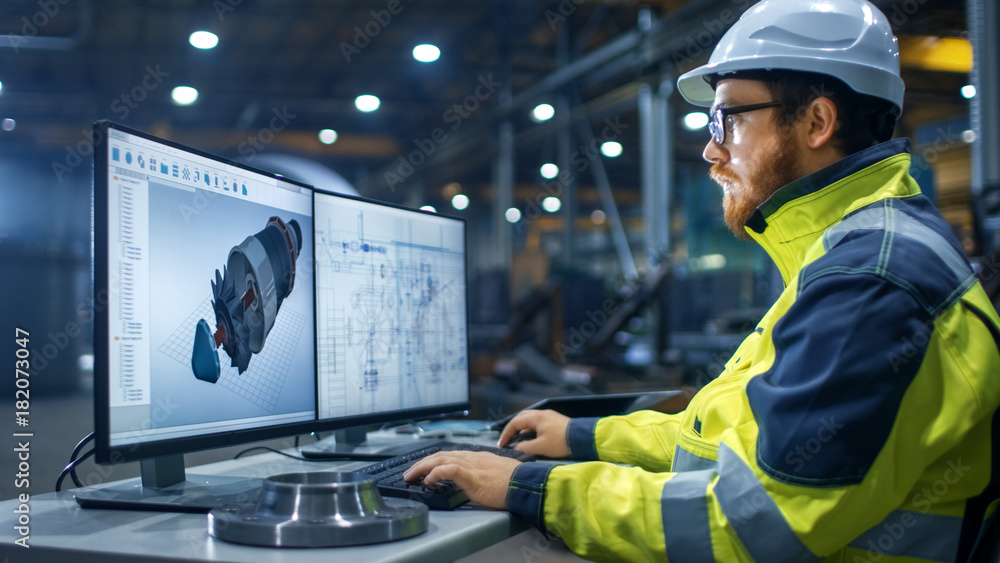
{"points": [[444, 495]]}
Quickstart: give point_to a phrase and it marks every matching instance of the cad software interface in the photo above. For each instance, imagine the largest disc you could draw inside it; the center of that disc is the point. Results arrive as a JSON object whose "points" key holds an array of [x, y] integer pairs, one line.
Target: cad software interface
{"points": [[211, 323], [390, 308]]}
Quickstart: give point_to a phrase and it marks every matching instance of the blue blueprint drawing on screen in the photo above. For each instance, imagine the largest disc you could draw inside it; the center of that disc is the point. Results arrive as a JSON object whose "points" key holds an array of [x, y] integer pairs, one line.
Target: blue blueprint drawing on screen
{"points": [[390, 307]]}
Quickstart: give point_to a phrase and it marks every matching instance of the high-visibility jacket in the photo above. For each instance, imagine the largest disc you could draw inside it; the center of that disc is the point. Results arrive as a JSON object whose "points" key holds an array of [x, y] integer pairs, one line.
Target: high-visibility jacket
{"points": [[858, 422]]}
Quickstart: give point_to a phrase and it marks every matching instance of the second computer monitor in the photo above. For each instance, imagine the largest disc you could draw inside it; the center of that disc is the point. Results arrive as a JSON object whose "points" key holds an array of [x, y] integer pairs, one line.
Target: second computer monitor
{"points": [[391, 312]]}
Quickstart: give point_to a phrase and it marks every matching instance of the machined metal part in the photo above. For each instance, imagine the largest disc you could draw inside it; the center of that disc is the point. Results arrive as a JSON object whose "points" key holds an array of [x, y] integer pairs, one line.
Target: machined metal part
{"points": [[249, 268], [246, 297], [319, 509]]}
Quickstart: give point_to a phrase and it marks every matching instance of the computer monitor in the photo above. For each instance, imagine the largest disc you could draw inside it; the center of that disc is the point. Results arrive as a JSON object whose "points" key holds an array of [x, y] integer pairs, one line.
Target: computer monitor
{"points": [[243, 306], [391, 313], [208, 336]]}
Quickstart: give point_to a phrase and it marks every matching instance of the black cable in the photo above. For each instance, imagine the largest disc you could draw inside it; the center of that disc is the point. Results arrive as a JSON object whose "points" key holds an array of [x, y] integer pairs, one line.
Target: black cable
{"points": [[265, 448], [70, 469], [74, 461], [330, 456], [76, 452], [80, 445]]}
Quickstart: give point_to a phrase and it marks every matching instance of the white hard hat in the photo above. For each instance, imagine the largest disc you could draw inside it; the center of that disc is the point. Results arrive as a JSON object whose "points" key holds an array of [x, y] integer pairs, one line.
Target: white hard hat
{"points": [[847, 39]]}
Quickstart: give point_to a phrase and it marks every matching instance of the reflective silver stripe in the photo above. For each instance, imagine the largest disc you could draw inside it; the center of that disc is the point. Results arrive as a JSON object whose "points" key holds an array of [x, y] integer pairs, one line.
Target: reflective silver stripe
{"points": [[687, 461], [684, 504], [753, 514], [913, 534], [887, 218]]}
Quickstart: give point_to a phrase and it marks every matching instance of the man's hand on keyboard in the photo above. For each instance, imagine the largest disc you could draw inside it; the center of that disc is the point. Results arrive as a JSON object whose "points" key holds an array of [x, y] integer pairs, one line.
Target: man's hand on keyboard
{"points": [[483, 476], [549, 427]]}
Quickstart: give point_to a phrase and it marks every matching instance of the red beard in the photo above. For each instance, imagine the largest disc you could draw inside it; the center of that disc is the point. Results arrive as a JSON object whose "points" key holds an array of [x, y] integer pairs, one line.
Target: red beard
{"points": [[773, 168]]}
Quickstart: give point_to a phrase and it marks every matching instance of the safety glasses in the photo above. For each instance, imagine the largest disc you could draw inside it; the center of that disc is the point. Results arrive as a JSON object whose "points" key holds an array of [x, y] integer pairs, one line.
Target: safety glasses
{"points": [[717, 126]]}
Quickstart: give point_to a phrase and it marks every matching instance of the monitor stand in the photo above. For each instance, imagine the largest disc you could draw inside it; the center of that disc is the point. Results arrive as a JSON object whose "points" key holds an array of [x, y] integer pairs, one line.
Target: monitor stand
{"points": [[163, 486], [353, 444]]}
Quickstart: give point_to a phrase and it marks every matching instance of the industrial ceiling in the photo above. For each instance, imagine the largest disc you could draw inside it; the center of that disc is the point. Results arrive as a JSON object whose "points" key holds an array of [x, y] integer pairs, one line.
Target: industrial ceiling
{"points": [[285, 69]]}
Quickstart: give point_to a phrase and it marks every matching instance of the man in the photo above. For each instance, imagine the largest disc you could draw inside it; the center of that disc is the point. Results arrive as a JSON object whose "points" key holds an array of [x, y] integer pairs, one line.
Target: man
{"points": [[858, 422]]}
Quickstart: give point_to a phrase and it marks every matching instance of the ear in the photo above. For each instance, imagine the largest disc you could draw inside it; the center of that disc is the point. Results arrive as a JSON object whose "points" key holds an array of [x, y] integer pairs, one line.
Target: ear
{"points": [[820, 122]]}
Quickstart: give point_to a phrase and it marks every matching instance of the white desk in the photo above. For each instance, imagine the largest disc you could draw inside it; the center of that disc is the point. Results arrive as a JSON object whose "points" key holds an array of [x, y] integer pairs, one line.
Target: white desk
{"points": [[62, 531]]}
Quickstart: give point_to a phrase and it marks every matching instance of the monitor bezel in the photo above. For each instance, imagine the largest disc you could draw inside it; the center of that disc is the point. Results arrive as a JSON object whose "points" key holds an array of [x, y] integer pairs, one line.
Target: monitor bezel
{"points": [[105, 453], [402, 415]]}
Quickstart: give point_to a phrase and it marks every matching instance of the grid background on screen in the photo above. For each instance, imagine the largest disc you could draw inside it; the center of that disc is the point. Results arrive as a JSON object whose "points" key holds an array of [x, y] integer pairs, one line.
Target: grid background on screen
{"points": [[262, 382]]}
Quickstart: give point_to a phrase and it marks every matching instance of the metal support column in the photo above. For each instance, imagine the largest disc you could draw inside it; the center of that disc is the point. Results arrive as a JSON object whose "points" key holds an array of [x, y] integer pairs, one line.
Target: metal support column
{"points": [[984, 33], [503, 165], [566, 182], [657, 168], [503, 181], [567, 175], [657, 158]]}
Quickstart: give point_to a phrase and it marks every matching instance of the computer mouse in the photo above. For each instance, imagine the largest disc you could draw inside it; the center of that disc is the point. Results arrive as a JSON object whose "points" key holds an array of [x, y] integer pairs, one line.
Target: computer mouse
{"points": [[521, 437]]}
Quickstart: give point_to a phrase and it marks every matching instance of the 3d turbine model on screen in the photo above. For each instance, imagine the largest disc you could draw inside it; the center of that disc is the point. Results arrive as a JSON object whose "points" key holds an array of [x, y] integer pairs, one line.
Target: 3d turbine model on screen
{"points": [[258, 276]]}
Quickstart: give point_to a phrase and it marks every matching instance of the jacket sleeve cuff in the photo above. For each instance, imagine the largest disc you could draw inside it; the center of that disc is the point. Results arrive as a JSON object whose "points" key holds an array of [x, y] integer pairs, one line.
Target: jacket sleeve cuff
{"points": [[526, 493], [581, 440]]}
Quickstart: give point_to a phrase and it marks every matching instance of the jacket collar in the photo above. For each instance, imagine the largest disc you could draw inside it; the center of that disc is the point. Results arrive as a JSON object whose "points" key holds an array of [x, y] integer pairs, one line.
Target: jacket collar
{"points": [[795, 217]]}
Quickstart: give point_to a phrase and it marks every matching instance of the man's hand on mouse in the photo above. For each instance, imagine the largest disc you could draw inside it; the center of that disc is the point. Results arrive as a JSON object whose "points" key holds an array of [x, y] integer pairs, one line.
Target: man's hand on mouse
{"points": [[549, 427], [483, 476]]}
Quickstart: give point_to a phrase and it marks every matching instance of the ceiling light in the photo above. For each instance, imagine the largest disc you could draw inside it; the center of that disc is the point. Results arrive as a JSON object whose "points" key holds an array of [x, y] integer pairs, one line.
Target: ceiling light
{"points": [[367, 103], [426, 53], [460, 201], [542, 112], [1, 86], [428, 208], [696, 120], [513, 215], [9, 124], [203, 39], [549, 170], [328, 136], [551, 204], [611, 149], [598, 217], [968, 91], [184, 95]]}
